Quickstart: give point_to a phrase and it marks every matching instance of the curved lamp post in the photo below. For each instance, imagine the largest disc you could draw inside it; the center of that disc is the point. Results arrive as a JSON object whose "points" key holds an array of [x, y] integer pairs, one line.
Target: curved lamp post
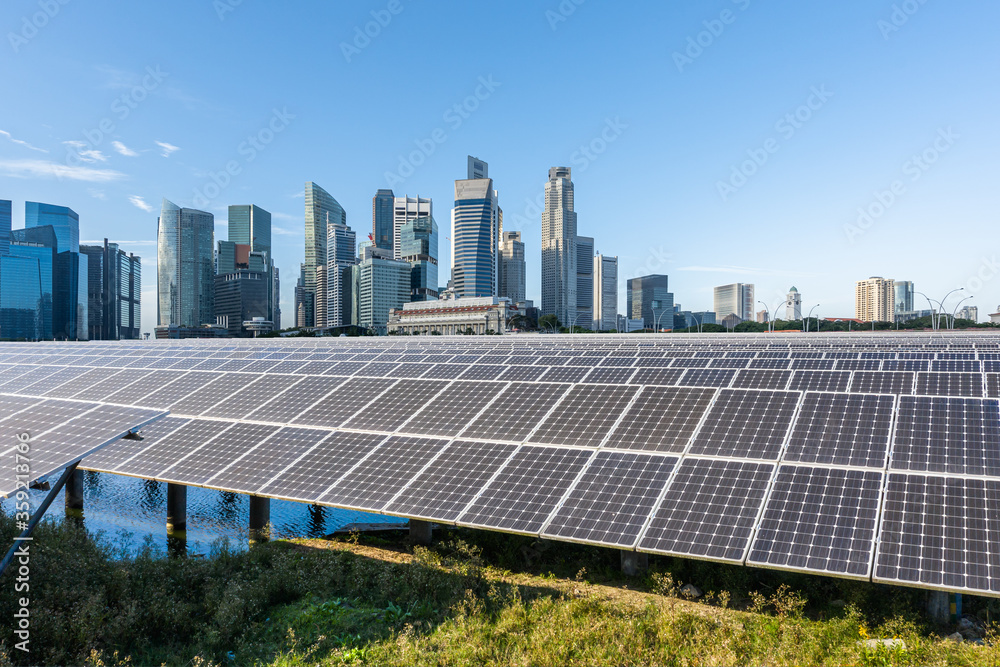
{"points": [[805, 324], [955, 312]]}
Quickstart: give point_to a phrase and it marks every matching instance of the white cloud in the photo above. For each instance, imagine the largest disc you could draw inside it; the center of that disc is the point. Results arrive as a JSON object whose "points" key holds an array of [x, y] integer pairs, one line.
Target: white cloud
{"points": [[167, 149], [298, 195], [744, 270], [281, 231], [97, 194], [86, 153], [23, 143], [139, 202], [46, 169], [123, 149]]}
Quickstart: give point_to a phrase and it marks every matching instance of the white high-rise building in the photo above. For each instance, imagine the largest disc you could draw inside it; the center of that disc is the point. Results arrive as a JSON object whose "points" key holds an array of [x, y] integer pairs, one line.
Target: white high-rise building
{"points": [[341, 244], [404, 210], [605, 293], [512, 274], [734, 303], [559, 247], [793, 305], [874, 300]]}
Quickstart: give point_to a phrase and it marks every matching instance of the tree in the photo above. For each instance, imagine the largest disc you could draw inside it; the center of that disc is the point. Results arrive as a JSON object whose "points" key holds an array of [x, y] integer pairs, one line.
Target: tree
{"points": [[549, 322]]}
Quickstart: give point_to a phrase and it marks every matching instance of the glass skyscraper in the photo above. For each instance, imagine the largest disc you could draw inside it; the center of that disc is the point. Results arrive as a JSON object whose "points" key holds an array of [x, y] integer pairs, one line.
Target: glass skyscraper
{"points": [[512, 274], [477, 223], [114, 286], [40, 244], [559, 254], [648, 298], [903, 296], [5, 218], [250, 225], [342, 245], [585, 282], [382, 220], [321, 210], [185, 266], [63, 220], [419, 241]]}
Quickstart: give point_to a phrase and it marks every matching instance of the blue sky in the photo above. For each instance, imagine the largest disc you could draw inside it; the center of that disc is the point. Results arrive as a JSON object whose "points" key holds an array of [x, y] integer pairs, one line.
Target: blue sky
{"points": [[715, 142]]}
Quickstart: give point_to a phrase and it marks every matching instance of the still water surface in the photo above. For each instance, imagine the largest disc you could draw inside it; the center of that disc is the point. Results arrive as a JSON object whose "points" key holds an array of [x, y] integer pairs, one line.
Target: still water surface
{"points": [[130, 511]]}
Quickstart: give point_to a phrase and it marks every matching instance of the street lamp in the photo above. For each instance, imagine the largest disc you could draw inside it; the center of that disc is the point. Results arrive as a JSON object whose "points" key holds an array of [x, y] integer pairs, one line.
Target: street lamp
{"points": [[656, 322], [805, 324], [934, 322]]}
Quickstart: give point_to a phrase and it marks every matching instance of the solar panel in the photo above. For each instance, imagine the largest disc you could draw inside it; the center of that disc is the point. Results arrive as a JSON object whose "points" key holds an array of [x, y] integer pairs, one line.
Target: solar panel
{"points": [[444, 371], [216, 390], [483, 372], [248, 398], [611, 375], [661, 419], [117, 453], [709, 510], [33, 375], [820, 520], [522, 373], [585, 416], [762, 379], [993, 385], [707, 377], [611, 500], [453, 408], [813, 364], [779, 364], [396, 405], [820, 381], [525, 492], [205, 463], [52, 381], [516, 412], [657, 376], [746, 424], [565, 374], [340, 405], [864, 365], [881, 382], [164, 451], [940, 532], [940, 434], [377, 479], [452, 480], [905, 365], [949, 384], [842, 429], [136, 391]]}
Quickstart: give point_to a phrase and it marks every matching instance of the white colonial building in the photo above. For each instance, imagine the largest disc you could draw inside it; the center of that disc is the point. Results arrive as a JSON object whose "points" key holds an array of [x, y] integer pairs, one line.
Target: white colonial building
{"points": [[452, 316]]}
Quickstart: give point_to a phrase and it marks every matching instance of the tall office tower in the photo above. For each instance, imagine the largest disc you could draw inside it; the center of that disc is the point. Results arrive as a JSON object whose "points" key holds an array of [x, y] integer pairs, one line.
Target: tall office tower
{"points": [[559, 247], [512, 268], [114, 287], [300, 297], [39, 245], [5, 221], [380, 285], [903, 296], [874, 300], [734, 303], [649, 300], [406, 209], [477, 168], [419, 239], [476, 228], [185, 270], [968, 313], [605, 293], [383, 232], [321, 210], [250, 225], [793, 305], [584, 282], [341, 244], [63, 220]]}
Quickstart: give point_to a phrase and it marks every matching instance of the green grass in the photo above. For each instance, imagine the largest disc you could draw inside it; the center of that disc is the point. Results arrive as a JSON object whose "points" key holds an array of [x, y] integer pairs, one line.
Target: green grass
{"points": [[472, 598]]}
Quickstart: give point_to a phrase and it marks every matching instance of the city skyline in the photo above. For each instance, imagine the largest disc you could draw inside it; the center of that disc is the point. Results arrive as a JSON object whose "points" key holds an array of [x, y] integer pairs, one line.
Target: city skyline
{"points": [[859, 124]]}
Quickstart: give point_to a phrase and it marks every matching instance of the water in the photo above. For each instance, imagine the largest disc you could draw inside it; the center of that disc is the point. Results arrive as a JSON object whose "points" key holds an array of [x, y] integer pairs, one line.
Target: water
{"points": [[130, 511]]}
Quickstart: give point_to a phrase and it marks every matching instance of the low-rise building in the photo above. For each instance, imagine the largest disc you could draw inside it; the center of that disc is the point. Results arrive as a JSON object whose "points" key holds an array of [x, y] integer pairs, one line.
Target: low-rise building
{"points": [[454, 316]]}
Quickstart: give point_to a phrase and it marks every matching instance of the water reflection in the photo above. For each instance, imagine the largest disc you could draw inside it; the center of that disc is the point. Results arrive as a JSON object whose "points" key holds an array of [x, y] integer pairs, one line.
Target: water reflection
{"points": [[131, 512]]}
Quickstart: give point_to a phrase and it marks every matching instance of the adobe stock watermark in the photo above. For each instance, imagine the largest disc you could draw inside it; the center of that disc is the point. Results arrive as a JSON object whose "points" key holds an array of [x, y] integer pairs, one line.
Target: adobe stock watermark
{"points": [[914, 169], [121, 108], [786, 127], [363, 35], [988, 269], [562, 13], [580, 159], [248, 150], [454, 116], [31, 25], [899, 17], [22, 515], [223, 7], [714, 28]]}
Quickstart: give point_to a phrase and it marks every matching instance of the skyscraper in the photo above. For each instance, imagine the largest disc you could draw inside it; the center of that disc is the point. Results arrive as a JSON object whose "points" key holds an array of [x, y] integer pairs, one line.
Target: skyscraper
{"points": [[383, 232], [793, 305], [559, 247], [114, 288], [250, 225], [404, 210], [342, 245], [185, 270], [5, 221], [380, 284], [903, 296], [419, 239], [605, 293], [874, 300], [63, 220], [649, 300], [321, 210], [512, 268], [38, 244], [584, 281], [734, 303], [477, 224]]}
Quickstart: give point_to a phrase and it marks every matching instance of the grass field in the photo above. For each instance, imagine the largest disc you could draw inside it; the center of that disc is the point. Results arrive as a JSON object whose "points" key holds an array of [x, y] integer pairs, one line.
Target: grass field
{"points": [[473, 598]]}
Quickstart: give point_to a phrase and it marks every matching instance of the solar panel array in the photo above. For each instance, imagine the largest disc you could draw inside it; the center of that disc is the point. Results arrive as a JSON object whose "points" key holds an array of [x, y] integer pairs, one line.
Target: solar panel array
{"points": [[861, 456]]}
